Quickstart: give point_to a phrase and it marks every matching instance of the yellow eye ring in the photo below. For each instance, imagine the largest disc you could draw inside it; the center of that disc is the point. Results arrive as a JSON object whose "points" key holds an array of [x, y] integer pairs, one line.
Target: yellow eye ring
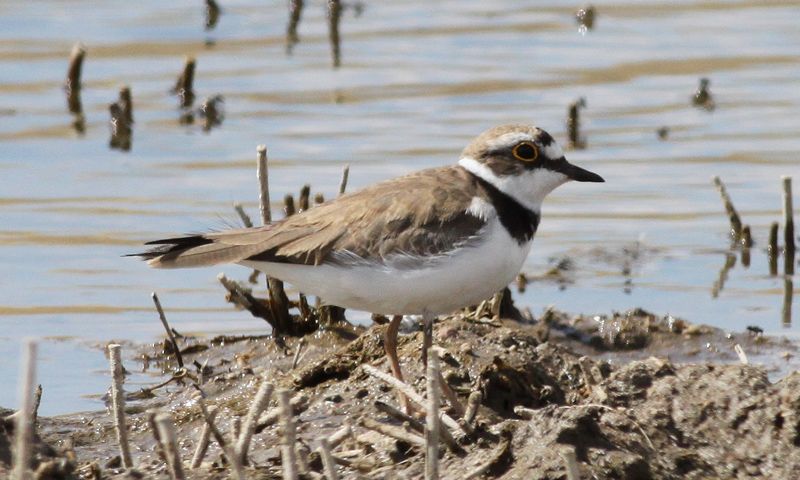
{"points": [[525, 151]]}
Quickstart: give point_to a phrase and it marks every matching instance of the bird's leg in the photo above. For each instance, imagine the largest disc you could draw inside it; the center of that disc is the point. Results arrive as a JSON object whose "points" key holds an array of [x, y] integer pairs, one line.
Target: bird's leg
{"points": [[390, 345], [427, 332]]}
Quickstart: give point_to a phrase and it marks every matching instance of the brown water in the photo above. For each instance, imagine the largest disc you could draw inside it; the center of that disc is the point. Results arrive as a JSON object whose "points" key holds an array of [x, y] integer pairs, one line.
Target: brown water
{"points": [[417, 81]]}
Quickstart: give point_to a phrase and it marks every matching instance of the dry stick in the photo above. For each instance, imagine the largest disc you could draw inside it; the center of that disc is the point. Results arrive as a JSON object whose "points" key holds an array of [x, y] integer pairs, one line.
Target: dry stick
{"points": [[418, 426], [263, 185], [236, 427], [73, 82], [788, 222], [118, 404], [184, 87], [571, 463], [772, 249], [259, 404], [166, 428], [169, 330], [297, 352], [432, 418], [339, 435], [243, 215], [24, 427], [233, 459], [303, 198], [37, 400], [151, 421], [473, 402], [327, 459], [398, 433], [343, 181], [451, 397], [414, 397], [288, 454], [740, 353], [733, 216], [299, 403], [205, 436], [295, 11], [319, 199], [786, 309], [126, 103], [334, 15]]}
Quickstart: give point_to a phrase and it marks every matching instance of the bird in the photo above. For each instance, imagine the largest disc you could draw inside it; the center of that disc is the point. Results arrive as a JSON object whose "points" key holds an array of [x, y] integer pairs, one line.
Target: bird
{"points": [[427, 243]]}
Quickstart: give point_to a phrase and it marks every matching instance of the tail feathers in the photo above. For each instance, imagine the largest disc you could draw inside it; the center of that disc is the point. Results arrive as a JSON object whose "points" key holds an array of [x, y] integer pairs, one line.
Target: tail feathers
{"points": [[194, 251]]}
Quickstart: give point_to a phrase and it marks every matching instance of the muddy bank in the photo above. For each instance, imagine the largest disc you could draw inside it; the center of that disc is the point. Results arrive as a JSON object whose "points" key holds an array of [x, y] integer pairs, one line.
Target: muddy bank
{"points": [[567, 385]]}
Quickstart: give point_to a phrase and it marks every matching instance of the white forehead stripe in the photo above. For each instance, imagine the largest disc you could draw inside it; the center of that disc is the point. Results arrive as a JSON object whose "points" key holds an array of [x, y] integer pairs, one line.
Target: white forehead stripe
{"points": [[553, 151]]}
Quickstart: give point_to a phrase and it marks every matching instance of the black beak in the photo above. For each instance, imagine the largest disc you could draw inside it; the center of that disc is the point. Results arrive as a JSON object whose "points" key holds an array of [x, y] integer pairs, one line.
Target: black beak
{"points": [[579, 174]]}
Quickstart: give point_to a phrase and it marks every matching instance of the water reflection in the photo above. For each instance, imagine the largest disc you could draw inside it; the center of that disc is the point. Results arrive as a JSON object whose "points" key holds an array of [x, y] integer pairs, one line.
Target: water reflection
{"points": [[295, 12], [786, 310]]}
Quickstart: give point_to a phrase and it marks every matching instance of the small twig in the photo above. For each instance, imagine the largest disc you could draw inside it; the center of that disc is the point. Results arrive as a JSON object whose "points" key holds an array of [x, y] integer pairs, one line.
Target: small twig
{"points": [[236, 427], [73, 82], [343, 181], [151, 422], [570, 463], [233, 459], [473, 402], [288, 454], [243, 215], [184, 86], [212, 14], [24, 427], [37, 400], [786, 308], [414, 397], [304, 197], [451, 397], [334, 15], [295, 12], [398, 433], [118, 404], [297, 352], [788, 225], [263, 185], [733, 216], [327, 460], [399, 415], [202, 445], [166, 429], [259, 404], [496, 457], [288, 205], [126, 103], [170, 335], [740, 352], [299, 403], [432, 418], [340, 435]]}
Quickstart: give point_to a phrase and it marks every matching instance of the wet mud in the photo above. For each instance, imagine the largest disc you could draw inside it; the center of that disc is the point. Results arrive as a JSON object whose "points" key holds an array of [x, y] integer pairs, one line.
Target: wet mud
{"points": [[624, 395]]}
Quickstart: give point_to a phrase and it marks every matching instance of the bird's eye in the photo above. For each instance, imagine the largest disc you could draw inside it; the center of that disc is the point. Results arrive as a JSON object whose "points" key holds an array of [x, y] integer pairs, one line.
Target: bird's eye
{"points": [[526, 151]]}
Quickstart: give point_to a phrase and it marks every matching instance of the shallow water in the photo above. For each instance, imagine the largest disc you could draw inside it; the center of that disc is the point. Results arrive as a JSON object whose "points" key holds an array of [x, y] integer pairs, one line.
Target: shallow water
{"points": [[417, 81]]}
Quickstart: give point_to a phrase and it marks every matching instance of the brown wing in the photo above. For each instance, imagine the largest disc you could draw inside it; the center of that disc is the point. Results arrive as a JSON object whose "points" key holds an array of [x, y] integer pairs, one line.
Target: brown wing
{"points": [[421, 213]]}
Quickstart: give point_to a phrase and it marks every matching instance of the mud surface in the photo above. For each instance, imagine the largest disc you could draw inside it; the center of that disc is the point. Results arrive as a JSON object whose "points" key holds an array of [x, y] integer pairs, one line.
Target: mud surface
{"points": [[588, 386]]}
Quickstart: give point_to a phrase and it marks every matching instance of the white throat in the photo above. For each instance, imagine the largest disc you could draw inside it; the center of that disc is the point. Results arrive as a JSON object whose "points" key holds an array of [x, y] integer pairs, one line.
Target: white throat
{"points": [[529, 188]]}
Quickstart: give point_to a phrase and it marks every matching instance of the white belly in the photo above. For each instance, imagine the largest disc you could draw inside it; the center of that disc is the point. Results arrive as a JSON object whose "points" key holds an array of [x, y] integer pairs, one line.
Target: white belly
{"points": [[461, 278]]}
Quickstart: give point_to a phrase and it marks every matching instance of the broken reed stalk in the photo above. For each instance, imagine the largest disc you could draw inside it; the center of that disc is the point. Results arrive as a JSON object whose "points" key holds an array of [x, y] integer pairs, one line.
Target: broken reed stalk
{"points": [[236, 427], [334, 15], [184, 86], [118, 403], [245, 218], [212, 14], [298, 351], [258, 405], [400, 416], [343, 181], [166, 429], [786, 308], [151, 422], [24, 427], [328, 463], [788, 225], [126, 103], [263, 185], [288, 439], [299, 403], [571, 463], [740, 353], [295, 12], [340, 435], [230, 454], [73, 81], [319, 199], [202, 445], [398, 433], [288, 205], [473, 402], [772, 249], [304, 197], [37, 400], [733, 216], [432, 417], [170, 335], [412, 395]]}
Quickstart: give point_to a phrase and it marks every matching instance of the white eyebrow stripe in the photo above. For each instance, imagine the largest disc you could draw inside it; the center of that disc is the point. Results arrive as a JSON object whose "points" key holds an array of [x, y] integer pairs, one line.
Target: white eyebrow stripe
{"points": [[508, 139], [553, 151]]}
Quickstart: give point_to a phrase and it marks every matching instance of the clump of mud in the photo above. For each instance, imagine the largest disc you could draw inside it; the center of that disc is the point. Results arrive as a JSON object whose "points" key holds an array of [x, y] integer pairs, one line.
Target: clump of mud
{"points": [[562, 387]]}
